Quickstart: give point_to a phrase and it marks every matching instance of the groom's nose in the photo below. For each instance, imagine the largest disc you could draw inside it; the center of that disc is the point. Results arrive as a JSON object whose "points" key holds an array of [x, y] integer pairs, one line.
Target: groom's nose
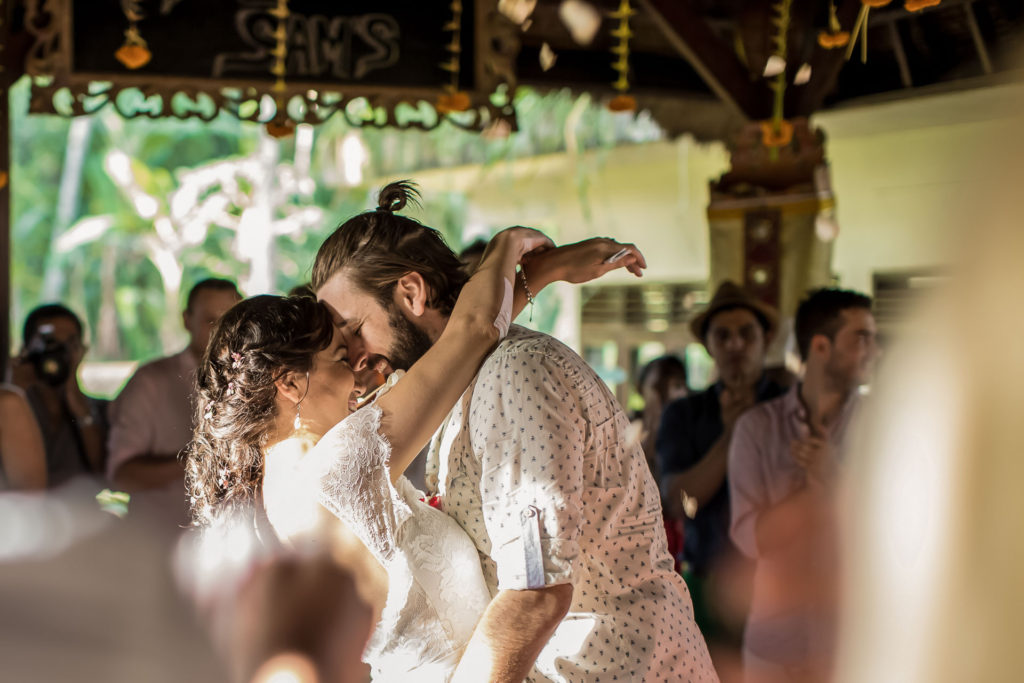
{"points": [[358, 356]]}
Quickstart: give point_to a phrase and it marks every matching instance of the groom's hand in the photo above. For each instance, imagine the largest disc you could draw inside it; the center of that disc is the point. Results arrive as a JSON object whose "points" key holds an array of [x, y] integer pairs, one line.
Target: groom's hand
{"points": [[528, 240]]}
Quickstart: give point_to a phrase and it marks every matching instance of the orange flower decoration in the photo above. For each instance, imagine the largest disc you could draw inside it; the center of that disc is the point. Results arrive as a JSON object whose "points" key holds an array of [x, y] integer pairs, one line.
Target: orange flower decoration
{"points": [[918, 5], [831, 41], [875, 3], [280, 130], [133, 55], [776, 135], [622, 103], [3, 179], [449, 102]]}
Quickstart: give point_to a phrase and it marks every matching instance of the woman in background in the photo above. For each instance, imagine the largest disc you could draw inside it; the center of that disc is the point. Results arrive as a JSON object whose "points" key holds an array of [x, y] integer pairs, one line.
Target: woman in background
{"points": [[22, 458]]}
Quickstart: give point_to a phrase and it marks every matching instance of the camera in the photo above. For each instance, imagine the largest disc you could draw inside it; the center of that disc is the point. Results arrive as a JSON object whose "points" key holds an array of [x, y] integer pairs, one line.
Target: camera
{"points": [[50, 357]]}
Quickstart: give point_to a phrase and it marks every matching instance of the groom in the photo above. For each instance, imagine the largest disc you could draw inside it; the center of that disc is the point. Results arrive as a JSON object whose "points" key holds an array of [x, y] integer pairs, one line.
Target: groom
{"points": [[534, 463]]}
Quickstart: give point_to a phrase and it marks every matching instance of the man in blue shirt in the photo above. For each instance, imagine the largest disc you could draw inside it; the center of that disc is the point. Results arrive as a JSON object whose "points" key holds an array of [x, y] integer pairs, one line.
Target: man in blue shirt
{"points": [[693, 440]]}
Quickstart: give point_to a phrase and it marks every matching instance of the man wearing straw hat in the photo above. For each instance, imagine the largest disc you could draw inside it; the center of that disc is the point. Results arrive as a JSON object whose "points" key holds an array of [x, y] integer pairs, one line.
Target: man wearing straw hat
{"points": [[693, 441]]}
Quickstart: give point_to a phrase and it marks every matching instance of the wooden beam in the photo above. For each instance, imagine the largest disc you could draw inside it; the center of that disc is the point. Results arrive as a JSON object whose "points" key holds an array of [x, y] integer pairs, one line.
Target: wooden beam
{"points": [[825, 67], [711, 58], [5, 224], [10, 70]]}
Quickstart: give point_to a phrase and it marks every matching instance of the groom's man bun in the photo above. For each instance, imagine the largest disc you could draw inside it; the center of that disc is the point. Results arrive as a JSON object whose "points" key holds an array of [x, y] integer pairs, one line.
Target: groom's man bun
{"points": [[376, 248]]}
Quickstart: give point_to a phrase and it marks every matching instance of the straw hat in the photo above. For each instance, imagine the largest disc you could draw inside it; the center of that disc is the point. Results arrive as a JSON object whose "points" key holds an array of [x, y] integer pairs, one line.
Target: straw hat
{"points": [[731, 295]]}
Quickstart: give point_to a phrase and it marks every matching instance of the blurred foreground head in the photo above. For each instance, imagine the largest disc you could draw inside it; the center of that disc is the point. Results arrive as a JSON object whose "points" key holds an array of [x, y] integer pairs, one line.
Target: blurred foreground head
{"points": [[936, 548]]}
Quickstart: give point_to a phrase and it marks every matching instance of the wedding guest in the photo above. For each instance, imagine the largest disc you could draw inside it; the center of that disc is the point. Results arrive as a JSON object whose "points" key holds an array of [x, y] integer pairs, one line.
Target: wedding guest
{"points": [[783, 461], [693, 444], [73, 425], [151, 419], [661, 381]]}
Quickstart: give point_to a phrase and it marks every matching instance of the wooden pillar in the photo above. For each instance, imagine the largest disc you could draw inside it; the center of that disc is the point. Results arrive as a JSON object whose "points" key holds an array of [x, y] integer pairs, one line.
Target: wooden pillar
{"points": [[768, 220], [5, 224], [7, 76]]}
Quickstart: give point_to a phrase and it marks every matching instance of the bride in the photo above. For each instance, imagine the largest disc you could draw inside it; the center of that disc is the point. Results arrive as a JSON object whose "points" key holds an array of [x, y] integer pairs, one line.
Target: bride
{"points": [[277, 428]]}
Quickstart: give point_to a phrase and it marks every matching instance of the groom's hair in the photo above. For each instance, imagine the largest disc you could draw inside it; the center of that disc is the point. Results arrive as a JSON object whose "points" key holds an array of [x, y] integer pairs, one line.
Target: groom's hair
{"points": [[377, 248]]}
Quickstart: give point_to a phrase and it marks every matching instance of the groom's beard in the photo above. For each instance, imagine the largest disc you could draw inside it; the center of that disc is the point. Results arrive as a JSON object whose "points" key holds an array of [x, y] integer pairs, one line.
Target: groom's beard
{"points": [[410, 341]]}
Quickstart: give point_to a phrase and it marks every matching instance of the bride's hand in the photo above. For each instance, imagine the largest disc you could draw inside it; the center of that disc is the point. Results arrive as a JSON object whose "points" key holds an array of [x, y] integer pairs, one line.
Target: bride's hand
{"points": [[522, 241], [587, 260]]}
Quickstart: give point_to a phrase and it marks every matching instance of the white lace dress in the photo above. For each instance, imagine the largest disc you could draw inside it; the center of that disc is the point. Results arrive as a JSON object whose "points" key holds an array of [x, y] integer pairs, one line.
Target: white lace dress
{"points": [[436, 589]]}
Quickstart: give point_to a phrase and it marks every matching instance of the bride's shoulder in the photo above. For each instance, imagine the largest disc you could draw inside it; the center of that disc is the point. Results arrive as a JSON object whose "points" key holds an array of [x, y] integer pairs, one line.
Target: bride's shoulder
{"points": [[361, 424]]}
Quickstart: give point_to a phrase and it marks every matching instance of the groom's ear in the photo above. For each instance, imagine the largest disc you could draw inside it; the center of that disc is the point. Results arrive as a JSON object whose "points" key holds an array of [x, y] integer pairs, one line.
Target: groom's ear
{"points": [[411, 294], [292, 385]]}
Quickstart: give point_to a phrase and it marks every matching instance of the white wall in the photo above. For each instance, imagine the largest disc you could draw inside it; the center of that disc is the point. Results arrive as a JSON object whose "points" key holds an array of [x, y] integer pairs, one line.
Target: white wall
{"points": [[906, 175], [653, 194]]}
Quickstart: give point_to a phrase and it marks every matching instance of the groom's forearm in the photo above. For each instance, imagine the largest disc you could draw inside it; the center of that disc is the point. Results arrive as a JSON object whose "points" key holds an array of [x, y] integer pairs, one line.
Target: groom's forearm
{"points": [[513, 630]]}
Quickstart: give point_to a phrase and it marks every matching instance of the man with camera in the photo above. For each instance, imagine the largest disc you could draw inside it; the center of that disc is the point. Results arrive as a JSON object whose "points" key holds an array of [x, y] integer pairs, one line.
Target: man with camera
{"points": [[73, 425]]}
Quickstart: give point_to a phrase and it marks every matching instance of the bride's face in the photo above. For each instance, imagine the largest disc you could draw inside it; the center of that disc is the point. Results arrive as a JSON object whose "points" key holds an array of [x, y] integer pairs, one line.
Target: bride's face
{"points": [[333, 388]]}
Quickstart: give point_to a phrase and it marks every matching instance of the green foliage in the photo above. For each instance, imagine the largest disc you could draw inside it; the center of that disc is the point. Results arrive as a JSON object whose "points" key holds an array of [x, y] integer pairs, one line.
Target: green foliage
{"points": [[89, 237]]}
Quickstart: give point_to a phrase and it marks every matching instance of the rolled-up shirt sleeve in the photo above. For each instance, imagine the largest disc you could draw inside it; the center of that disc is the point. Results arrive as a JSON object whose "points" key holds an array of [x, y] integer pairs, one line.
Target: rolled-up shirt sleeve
{"points": [[530, 435], [748, 493]]}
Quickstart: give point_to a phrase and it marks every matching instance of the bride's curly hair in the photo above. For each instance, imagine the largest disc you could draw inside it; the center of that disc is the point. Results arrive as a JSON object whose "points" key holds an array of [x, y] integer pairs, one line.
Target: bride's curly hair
{"points": [[252, 346]]}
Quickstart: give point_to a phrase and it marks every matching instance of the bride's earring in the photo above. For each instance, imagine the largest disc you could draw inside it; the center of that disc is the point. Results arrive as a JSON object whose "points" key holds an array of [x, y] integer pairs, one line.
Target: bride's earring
{"points": [[298, 406]]}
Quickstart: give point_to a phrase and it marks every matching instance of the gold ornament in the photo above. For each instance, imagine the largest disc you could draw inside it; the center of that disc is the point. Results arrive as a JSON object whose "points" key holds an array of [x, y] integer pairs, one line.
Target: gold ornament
{"points": [[835, 36], [623, 101], [281, 126], [134, 53], [778, 132], [453, 99]]}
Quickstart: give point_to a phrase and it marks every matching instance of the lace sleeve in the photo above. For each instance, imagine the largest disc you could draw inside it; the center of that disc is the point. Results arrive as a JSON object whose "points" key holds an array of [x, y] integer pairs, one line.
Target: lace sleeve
{"points": [[351, 463]]}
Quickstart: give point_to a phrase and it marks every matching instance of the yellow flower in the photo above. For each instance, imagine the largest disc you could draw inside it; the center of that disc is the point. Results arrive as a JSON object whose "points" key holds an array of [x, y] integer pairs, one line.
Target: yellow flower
{"points": [[133, 56], [623, 103], [449, 102], [280, 130], [831, 41], [776, 137]]}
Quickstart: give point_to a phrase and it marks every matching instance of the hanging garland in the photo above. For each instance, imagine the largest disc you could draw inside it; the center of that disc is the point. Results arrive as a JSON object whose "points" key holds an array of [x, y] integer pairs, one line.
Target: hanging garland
{"points": [[860, 28], [778, 132], [623, 101], [134, 53], [453, 99], [835, 37], [281, 126]]}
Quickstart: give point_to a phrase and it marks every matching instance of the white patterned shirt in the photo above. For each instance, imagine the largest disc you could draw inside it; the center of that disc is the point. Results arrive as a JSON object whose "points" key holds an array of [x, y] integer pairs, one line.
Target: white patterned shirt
{"points": [[534, 464]]}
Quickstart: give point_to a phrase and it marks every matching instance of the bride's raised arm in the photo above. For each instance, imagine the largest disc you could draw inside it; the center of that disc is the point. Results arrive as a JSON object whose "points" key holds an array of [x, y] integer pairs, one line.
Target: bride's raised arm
{"points": [[492, 297]]}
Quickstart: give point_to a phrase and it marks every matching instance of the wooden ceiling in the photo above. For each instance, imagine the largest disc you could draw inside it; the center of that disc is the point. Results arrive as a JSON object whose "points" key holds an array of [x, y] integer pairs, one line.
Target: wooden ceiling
{"points": [[698, 64]]}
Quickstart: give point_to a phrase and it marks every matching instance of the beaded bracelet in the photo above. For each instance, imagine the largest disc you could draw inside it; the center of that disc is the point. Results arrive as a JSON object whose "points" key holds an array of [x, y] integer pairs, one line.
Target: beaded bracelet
{"points": [[529, 294]]}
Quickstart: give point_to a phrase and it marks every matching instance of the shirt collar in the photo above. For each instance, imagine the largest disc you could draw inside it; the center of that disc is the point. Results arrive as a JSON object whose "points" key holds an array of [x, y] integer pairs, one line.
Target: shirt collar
{"points": [[760, 388], [794, 409]]}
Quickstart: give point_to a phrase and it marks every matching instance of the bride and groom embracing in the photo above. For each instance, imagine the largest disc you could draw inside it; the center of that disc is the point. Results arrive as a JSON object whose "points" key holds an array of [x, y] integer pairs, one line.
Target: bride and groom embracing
{"points": [[547, 559]]}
